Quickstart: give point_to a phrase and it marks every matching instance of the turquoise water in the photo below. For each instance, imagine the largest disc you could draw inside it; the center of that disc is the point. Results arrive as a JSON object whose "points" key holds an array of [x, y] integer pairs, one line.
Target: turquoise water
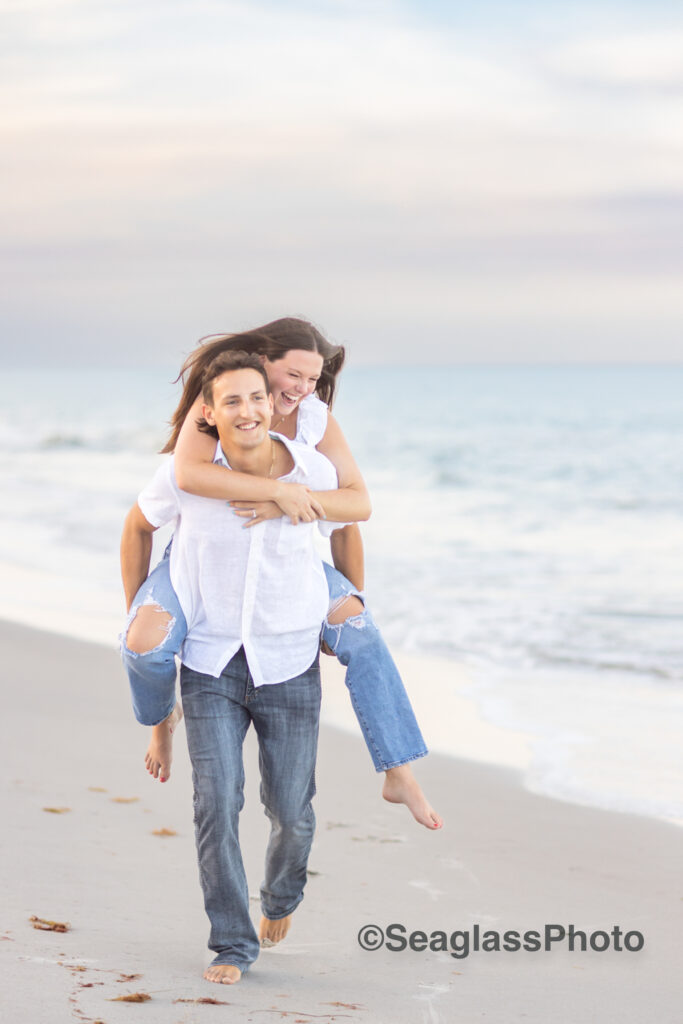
{"points": [[527, 522], [525, 516]]}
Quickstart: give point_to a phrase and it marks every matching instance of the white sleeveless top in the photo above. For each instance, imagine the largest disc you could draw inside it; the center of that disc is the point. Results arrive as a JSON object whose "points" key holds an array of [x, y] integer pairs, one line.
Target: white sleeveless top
{"points": [[311, 422]]}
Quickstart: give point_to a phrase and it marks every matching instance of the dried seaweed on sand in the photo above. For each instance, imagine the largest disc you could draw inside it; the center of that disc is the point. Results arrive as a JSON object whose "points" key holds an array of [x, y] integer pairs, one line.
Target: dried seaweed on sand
{"points": [[207, 1000], [43, 925]]}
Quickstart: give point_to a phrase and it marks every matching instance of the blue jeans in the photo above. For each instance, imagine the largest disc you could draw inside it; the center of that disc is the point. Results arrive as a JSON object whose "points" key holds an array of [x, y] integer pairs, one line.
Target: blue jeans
{"points": [[218, 713], [152, 675], [378, 695]]}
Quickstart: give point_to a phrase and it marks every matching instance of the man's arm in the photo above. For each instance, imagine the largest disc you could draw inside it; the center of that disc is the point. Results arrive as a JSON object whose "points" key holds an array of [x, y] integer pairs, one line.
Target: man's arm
{"points": [[136, 552]]}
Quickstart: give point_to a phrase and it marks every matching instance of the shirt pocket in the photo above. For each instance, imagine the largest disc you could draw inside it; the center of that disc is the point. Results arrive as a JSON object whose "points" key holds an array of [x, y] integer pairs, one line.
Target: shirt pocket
{"points": [[293, 540]]}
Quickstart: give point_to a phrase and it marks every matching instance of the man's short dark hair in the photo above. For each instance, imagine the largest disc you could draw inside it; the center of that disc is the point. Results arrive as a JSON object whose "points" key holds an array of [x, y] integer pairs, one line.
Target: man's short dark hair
{"points": [[226, 362]]}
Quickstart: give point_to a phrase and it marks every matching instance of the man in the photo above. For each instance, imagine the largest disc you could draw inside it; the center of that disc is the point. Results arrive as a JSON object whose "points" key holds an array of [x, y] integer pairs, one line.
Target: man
{"points": [[254, 600]]}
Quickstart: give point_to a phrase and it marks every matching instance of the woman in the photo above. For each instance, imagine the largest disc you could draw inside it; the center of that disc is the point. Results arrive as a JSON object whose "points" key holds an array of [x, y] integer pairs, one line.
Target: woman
{"points": [[298, 362]]}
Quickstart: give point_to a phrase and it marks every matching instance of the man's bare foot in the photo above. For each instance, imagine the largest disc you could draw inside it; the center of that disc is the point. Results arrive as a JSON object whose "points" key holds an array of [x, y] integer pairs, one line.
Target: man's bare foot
{"points": [[272, 932], [401, 787], [223, 974], [160, 750]]}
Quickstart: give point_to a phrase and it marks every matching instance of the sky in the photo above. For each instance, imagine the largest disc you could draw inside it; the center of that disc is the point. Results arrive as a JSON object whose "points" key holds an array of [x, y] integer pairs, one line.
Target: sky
{"points": [[426, 181]]}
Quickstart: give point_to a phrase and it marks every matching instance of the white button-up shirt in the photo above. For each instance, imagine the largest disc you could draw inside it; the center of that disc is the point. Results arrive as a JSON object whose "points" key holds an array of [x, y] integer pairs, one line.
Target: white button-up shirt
{"points": [[262, 588]]}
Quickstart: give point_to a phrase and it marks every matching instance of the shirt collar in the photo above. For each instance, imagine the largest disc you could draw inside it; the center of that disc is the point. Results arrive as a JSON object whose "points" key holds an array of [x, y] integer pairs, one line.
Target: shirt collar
{"points": [[218, 455], [293, 449]]}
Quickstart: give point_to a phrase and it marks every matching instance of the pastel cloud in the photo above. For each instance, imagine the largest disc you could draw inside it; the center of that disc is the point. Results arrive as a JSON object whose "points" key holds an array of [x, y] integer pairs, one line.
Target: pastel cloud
{"points": [[634, 59], [178, 167]]}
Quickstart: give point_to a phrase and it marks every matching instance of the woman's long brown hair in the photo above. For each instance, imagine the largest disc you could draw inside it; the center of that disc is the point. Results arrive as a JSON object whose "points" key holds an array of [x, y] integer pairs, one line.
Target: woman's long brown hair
{"points": [[273, 340]]}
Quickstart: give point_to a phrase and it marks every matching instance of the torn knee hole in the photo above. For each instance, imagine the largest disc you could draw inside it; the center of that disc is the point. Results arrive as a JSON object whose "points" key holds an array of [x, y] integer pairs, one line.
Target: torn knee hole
{"points": [[345, 609], [149, 628]]}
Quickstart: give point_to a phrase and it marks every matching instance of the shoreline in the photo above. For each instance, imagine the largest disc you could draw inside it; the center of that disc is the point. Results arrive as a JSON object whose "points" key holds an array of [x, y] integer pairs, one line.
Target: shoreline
{"points": [[484, 714], [506, 859]]}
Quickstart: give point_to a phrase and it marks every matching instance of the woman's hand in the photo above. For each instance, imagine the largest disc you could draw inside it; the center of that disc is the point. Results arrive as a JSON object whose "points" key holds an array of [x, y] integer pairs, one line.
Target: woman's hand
{"points": [[306, 511], [259, 511], [297, 502], [256, 511]]}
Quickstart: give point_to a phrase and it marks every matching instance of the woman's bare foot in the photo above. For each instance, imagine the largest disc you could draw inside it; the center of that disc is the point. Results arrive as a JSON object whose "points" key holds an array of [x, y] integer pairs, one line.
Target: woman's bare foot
{"points": [[223, 974], [272, 932], [160, 750], [401, 787]]}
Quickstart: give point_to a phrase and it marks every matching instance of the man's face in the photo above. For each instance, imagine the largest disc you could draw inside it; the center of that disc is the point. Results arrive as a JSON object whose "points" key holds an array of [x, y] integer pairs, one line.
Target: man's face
{"points": [[241, 410]]}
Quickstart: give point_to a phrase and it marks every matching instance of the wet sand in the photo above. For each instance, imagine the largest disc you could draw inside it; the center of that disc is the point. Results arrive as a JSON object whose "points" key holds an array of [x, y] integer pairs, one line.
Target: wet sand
{"points": [[505, 860]]}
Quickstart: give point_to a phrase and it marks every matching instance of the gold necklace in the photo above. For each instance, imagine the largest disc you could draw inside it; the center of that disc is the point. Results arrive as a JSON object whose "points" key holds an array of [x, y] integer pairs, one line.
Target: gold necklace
{"points": [[272, 461]]}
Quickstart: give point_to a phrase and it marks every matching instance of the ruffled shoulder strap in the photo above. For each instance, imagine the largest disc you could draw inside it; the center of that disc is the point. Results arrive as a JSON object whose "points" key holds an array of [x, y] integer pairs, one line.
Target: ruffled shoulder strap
{"points": [[312, 421]]}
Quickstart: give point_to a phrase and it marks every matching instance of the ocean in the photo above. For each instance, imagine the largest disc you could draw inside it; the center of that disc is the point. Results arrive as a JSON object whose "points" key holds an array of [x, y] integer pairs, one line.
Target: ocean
{"points": [[526, 522]]}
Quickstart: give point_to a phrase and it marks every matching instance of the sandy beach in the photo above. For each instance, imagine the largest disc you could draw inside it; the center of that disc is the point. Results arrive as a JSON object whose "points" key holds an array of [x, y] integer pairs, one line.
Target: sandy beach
{"points": [[506, 860]]}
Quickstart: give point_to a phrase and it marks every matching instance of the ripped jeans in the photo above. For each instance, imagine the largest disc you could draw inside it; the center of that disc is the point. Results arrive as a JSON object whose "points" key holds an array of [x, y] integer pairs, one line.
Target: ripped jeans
{"points": [[378, 696]]}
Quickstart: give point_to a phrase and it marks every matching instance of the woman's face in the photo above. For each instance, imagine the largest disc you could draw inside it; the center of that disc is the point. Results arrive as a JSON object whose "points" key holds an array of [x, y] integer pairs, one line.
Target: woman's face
{"points": [[292, 378]]}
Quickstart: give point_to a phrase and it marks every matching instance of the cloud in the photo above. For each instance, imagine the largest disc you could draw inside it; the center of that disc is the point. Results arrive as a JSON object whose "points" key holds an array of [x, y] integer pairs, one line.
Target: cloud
{"points": [[174, 168], [258, 60], [643, 59]]}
